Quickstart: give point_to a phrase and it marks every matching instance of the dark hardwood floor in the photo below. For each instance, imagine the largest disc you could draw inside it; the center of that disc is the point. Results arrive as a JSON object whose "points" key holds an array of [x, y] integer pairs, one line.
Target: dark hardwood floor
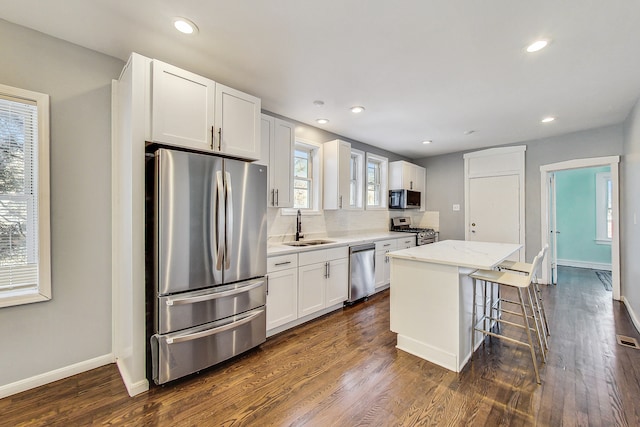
{"points": [[344, 370]]}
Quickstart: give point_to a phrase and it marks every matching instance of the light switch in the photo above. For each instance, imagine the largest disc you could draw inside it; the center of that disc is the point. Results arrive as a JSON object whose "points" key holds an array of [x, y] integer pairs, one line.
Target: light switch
{"points": [[456, 208]]}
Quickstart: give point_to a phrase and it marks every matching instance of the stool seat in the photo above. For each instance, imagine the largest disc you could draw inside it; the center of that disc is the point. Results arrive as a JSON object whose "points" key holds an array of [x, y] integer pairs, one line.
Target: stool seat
{"points": [[520, 267], [502, 277]]}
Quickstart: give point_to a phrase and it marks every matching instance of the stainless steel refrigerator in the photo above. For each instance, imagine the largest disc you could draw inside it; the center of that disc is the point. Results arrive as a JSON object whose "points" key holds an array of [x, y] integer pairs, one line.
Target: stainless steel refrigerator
{"points": [[209, 263]]}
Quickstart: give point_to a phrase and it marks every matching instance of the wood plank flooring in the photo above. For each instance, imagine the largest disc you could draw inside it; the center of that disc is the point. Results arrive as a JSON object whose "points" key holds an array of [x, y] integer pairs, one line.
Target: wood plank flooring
{"points": [[344, 370]]}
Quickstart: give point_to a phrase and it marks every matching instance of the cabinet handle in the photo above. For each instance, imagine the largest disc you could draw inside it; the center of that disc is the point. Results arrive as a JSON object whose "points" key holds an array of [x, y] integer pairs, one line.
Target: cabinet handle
{"points": [[213, 137], [277, 198], [220, 139], [410, 185], [273, 197], [326, 270], [340, 202], [282, 263], [387, 245]]}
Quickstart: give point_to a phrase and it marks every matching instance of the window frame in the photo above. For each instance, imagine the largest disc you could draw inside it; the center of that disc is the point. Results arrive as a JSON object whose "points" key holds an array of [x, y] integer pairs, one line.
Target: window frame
{"points": [[383, 163], [357, 184], [315, 149], [603, 198], [42, 290]]}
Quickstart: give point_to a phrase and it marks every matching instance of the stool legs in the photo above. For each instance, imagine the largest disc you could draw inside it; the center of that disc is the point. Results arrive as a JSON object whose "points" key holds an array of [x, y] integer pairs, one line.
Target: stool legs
{"points": [[528, 330]]}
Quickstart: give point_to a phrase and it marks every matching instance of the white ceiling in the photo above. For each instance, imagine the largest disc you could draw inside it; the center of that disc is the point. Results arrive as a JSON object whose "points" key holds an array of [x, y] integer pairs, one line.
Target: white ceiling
{"points": [[423, 69]]}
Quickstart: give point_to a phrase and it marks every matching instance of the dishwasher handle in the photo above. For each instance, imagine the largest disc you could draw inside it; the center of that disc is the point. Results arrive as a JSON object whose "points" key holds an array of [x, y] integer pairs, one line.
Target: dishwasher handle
{"points": [[362, 248]]}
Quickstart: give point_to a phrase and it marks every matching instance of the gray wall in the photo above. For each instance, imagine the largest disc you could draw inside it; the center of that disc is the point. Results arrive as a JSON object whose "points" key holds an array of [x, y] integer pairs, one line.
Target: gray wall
{"points": [[445, 177], [75, 325], [630, 210]]}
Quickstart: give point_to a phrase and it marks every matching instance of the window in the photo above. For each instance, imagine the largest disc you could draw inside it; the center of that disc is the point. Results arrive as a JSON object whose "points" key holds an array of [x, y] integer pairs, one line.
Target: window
{"points": [[306, 178], [604, 212], [24, 202], [376, 181], [302, 178], [355, 179]]}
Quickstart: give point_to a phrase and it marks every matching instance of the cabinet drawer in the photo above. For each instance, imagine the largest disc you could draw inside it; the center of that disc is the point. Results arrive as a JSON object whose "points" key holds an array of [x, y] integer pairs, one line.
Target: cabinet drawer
{"points": [[282, 262], [312, 257], [386, 245], [337, 253]]}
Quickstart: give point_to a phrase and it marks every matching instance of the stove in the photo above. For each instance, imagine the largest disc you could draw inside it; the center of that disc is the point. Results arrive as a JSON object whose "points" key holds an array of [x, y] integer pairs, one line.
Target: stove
{"points": [[423, 235]]}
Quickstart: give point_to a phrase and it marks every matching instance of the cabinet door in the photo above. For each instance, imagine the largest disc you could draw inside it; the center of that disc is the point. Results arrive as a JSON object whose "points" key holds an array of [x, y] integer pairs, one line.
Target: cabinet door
{"points": [[282, 163], [282, 299], [237, 120], [338, 282], [380, 268], [337, 167], [182, 107], [311, 288], [420, 177]]}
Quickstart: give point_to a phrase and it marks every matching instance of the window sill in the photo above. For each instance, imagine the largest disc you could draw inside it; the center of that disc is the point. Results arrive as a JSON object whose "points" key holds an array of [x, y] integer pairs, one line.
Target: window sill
{"points": [[376, 208], [603, 242], [12, 298]]}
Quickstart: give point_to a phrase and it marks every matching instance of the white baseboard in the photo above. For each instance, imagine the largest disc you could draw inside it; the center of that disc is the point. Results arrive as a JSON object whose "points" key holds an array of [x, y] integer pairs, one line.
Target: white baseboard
{"points": [[133, 388], [584, 264], [55, 375], [632, 314]]}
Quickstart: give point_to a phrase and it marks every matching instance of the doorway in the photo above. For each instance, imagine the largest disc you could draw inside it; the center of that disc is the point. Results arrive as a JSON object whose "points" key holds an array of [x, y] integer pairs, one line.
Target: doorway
{"points": [[552, 226]]}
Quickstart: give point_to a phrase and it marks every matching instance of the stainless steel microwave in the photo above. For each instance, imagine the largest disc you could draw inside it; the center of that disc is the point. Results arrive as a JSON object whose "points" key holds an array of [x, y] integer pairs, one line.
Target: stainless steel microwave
{"points": [[404, 199]]}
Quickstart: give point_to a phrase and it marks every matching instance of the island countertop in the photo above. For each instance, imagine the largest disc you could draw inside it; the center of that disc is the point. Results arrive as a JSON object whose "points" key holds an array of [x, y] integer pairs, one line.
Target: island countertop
{"points": [[460, 253]]}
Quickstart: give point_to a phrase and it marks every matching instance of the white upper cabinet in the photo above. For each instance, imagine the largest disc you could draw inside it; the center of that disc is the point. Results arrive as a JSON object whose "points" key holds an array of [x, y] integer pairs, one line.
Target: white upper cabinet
{"points": [[192, 111], [182, 107], [337, 166], [407, 176], [278, 144], [237, 121]]}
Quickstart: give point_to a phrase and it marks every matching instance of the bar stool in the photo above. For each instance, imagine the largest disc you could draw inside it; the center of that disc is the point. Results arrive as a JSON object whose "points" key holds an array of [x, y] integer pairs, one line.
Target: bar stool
{"points": [[520, 283], [525, 268]]}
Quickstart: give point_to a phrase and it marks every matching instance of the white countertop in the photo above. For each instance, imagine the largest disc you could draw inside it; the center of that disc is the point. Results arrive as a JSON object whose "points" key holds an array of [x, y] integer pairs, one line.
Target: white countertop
{"points": [[277, 248], [461, 253]]}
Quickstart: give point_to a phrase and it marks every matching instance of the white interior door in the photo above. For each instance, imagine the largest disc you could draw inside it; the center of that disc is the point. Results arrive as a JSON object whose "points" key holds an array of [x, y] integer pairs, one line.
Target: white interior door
{"points": [[494, 210]]}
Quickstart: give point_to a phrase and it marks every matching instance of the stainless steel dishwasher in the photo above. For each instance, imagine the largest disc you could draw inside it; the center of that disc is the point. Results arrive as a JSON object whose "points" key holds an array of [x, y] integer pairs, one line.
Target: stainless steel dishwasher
{"points": [[362, 277]]}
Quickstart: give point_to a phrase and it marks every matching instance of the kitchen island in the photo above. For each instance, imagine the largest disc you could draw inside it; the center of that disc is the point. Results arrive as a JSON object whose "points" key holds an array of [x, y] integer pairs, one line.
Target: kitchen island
{"points": [[432, 297]]}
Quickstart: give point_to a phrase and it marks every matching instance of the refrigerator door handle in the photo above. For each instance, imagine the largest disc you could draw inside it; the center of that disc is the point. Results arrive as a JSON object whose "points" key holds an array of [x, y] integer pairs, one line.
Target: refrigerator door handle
{"points": [[202, 334], [220, 200], [229, 215]]}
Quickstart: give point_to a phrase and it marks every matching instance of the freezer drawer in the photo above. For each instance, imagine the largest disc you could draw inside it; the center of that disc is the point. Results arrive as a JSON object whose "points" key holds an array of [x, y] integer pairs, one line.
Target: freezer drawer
{"points": [[180, 311], [182, 353]]}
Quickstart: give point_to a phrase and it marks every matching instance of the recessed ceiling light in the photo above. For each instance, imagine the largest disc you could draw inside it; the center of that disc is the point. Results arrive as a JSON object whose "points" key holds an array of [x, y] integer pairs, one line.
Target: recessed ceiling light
{"points": [[322, 121], [548, 119], [185, 26], [357, 109], [537, 45], [426, 141]]}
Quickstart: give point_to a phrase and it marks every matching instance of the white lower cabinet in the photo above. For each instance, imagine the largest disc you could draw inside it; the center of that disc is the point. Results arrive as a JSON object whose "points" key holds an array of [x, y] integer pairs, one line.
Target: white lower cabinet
{"points": [[406, 242], [323, 279], [282, 297], [383, 266]]}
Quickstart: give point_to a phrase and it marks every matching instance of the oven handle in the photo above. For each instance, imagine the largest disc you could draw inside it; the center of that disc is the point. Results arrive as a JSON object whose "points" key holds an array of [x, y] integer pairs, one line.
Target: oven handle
{"points": [[213, 331], [216, 295]]}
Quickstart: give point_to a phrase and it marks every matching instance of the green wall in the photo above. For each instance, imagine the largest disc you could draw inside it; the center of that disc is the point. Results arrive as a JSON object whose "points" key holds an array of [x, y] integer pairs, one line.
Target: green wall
{"points": [[576, 217]]}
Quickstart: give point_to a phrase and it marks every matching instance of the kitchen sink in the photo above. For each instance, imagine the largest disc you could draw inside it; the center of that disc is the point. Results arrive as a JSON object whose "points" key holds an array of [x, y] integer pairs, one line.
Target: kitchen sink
{"points": [[309, 242]]}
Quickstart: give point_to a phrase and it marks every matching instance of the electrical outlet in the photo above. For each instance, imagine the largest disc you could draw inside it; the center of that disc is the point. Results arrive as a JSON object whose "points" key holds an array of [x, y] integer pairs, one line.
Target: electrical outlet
{"points": [[456, 208]]}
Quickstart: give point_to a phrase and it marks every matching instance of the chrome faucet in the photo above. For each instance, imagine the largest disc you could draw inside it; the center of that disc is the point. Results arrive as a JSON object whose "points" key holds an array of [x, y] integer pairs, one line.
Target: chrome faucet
{"points": [[299, 226]]}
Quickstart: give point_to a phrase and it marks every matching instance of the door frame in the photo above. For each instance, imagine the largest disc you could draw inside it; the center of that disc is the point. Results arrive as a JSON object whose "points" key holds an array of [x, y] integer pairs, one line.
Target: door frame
{"points": [[545, 172], [496, 162]]}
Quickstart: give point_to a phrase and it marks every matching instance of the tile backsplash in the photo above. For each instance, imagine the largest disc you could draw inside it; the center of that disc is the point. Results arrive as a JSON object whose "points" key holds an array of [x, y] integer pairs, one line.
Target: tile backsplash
{"points": [[342, 222]]}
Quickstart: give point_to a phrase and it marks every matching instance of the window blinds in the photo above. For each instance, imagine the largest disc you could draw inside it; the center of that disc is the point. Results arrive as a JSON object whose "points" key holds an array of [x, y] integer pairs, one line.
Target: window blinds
{"points": [[18, 194]]}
